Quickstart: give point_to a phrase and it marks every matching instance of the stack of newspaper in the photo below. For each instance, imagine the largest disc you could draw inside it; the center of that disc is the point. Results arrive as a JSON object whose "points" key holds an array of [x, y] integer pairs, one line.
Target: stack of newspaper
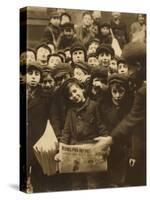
{"points": [[45, 150]]}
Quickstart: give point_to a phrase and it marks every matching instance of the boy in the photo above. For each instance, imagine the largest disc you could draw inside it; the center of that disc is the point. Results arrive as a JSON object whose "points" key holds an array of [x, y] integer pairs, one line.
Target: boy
{"points": [[82, 125], [52, 31], [42, 53], [97, 84], [83, 32], [37, 116], [92, 60], [48, 83], [67, 37], [113, 68], [105, 35], [122, 67], [113, 108], [81, 71], [92, 46], [27, 56], [105, 53], [78, 53], [54, 60]]}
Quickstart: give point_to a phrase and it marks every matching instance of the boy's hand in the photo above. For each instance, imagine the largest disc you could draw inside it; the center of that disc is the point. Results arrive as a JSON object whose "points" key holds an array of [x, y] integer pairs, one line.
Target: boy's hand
{"points": [[132, 162], [57, 157], [104, 141]]}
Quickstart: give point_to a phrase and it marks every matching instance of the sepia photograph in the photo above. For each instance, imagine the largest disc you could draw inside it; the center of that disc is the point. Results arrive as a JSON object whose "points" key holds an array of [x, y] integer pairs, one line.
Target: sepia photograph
{"points": [[82, 99]]}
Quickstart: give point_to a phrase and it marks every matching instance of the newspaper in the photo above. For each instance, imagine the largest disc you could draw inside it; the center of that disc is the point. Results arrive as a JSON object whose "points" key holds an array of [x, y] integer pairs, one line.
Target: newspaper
{"points": [[81, 158]]}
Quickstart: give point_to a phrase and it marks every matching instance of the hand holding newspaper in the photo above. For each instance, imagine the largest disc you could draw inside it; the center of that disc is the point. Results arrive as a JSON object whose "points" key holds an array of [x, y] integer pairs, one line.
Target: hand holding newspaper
{"points": [[45, 150], [81, 158]]}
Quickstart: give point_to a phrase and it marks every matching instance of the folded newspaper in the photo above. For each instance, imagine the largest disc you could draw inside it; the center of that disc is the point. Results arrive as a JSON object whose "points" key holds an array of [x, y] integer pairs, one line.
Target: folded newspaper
{"points": [[45, 150], [81, 158]]}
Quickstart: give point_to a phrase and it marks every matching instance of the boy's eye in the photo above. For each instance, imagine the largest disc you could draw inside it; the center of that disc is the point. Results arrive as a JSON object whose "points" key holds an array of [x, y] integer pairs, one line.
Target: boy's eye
{"points": [[37, 73]]}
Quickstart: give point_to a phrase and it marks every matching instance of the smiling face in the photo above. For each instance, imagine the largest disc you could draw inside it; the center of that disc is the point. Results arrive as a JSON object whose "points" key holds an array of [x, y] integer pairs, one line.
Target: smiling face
{"points": [[104, 59], [76, 94], [78, 56], [42, 55], [79, 74], [118, 93], [33, 77]]}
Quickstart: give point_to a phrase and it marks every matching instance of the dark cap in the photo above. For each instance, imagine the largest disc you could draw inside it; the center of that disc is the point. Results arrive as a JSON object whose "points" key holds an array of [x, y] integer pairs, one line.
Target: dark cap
{"points": [[93, 40], [56, 55], [118, 78], [105, 23], [67, 25], [100, 72], [61, 69], [105, 48], [34, 65], [54, 14], [76, 47], [121, 60], [135, 51]]}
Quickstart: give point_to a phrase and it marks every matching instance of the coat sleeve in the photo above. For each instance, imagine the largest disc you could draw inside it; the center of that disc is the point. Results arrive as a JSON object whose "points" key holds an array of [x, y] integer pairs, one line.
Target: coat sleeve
{"points": [[100, 124], [47, 36], [66, 134], [135, 116]]}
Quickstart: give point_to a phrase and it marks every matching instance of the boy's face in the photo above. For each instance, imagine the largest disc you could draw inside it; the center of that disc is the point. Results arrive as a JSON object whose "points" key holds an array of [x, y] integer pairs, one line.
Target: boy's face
{"points": [[118, 93], [112, 67], [92, 47], [87, 20], [122, 68], [33, 77], [141, 19], [42, 54], [76, 94], [79, 74], [68, 32], [48, 83], [55, 21], [93, 61], [53, 61], [22, 78], [105, 31], [104, 59], [27, 57], [78, 56]]}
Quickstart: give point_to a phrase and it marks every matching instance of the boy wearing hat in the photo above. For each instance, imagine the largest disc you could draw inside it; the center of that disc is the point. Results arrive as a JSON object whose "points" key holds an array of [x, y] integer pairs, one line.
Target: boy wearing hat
{"points": [[78, 53], [92, 60], [113, 108], [81, 71], [135, 121], [42, 53], [67, 37], [122, 67], [37, 117], [98, 83], [105, 53], [113, 68], [105, 35], [52, 31], [48, 83], [82, 125]]}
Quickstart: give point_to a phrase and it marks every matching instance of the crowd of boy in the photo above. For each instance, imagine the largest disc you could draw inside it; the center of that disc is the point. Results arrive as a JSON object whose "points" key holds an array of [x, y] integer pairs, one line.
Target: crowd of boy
{"points": [[75, 79]]}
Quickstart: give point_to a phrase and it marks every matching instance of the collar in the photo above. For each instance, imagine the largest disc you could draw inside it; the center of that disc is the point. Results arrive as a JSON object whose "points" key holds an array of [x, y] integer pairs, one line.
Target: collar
{"points": [[83, 106]]}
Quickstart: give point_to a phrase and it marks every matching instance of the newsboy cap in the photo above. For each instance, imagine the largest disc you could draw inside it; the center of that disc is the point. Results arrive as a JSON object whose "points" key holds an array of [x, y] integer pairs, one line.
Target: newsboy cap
{"points": [[105, 48]]}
